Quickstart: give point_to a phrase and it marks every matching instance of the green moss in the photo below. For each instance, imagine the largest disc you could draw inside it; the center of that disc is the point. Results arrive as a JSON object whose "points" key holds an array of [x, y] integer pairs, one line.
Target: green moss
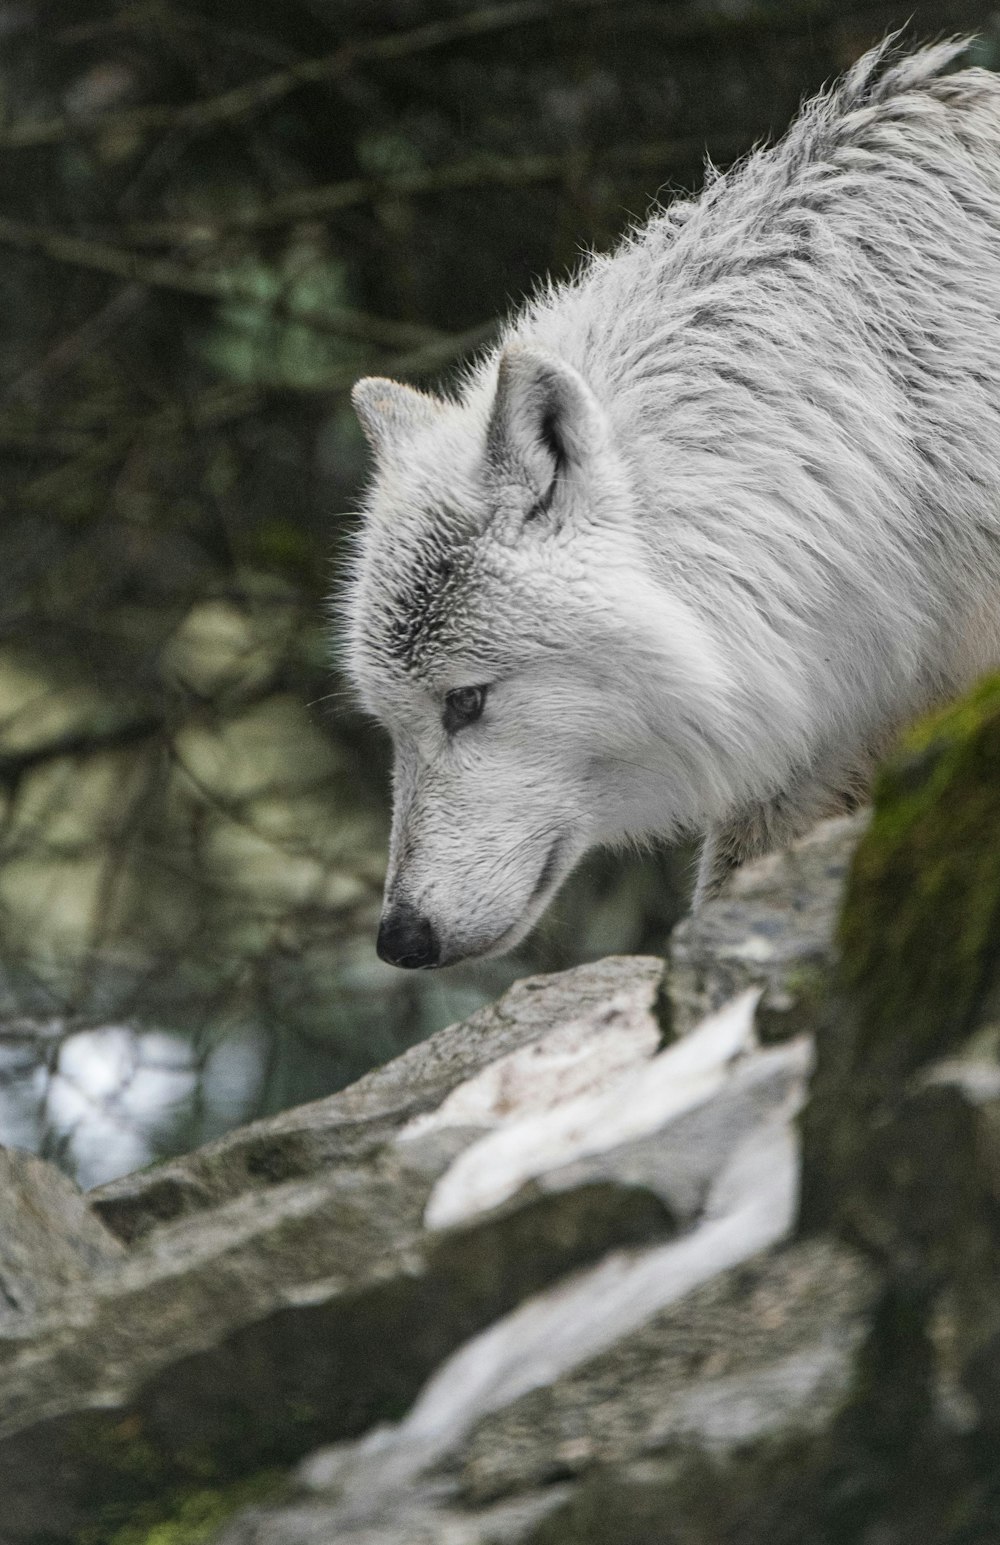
{"points": [[131, 1487], [185, 1518], [919, 966], [795, 1005], [921, 921]]}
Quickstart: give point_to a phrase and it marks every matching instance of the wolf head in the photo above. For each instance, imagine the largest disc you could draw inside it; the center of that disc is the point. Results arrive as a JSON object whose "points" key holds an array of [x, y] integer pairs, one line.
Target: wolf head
{"points": [[542, 689]]}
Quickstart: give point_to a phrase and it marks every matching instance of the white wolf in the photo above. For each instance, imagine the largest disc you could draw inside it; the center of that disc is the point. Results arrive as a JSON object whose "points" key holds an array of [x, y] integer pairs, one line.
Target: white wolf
{"points": [[706, 527]]}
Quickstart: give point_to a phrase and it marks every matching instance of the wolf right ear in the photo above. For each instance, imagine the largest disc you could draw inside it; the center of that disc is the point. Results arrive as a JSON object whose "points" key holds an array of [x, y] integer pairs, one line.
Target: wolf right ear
{"points": [[545, 418], [388, 411]]}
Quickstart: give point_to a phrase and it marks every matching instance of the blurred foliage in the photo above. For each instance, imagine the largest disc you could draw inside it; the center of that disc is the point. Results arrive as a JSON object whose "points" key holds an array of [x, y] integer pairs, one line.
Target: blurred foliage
{"points": [[212, 218]]}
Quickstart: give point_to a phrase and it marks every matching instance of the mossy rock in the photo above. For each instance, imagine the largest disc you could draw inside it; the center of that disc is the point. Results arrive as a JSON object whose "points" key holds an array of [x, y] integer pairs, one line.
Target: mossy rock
{"points": [[920, 929], [185, 1518], [902, 1130], [918, 943]]}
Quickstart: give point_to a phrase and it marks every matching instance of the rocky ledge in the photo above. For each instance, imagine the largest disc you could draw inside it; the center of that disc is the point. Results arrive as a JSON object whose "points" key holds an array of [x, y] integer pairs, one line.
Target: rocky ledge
{"points": [[647, 1253]]}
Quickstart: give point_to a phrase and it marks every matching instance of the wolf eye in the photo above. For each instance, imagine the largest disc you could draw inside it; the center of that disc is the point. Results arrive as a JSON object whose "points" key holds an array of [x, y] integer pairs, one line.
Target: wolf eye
{"points": [[463, 706]]}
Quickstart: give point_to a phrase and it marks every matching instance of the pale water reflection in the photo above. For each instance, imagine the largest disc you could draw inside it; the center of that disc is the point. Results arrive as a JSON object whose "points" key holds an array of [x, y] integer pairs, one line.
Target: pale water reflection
{"points": [[108, 1100]]}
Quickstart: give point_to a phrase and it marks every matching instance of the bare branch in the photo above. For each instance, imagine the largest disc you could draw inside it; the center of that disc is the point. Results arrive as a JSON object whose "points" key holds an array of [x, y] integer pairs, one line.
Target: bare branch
{"points": [[242, 101], [483, 171], [84, 339], [89, 452], [166, 274], [81, 743], [210, 408]]}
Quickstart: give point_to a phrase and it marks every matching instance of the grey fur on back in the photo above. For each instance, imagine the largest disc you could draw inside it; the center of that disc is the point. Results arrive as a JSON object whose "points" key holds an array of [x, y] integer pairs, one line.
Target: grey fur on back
{"points": [[716, 517]]}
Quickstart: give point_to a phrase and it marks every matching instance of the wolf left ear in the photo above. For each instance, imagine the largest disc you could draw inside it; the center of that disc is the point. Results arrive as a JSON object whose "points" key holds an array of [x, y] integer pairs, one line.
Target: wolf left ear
{"points": [[545, 418], [389, 411]]}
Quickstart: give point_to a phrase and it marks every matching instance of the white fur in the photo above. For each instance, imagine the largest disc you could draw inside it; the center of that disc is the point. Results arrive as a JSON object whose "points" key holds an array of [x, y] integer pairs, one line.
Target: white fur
{"points": [[716, 517]]}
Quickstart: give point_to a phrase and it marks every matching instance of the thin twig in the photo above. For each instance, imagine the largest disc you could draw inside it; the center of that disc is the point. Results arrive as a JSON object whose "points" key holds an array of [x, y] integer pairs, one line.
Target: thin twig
{"points": [[158, 24], [256, 95], [85, 339], [483, 171], [81, 743], [39, 443], [166, 274], [91, 454], [208, 409]]}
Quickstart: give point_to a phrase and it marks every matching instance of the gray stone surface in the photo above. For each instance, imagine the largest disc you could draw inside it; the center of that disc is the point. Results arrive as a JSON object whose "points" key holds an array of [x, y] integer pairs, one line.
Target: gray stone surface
{"points": [[278, 1312], [310, 1309], [764, 1350], [745, 1203], [680, 1161], [356, 1121], [773, 928], [425, 1520], [747, 1370], [50, 1239]]}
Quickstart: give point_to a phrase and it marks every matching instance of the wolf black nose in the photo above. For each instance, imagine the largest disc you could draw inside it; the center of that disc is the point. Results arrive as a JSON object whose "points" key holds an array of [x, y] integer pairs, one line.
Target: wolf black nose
{"points": [[407, 939]]}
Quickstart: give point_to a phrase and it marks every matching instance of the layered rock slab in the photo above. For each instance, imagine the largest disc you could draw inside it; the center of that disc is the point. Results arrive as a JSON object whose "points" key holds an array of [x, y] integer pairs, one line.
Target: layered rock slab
{"points": [[654, 1439], [626, 1312], [311, 1308], [314, 1311], [357, 1120]]}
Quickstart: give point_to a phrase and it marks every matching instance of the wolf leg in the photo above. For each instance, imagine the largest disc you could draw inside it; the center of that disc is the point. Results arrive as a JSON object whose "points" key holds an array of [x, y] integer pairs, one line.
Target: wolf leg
{"points": [[774, 823]]}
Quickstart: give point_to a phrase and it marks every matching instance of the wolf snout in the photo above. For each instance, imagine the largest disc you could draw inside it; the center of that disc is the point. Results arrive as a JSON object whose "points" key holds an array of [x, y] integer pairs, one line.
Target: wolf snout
{"points": [[407, 939]]}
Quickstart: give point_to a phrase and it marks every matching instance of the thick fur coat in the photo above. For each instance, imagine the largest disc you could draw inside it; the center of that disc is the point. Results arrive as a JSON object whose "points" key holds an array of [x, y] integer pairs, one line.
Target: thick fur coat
{"points": [[711, 522]]}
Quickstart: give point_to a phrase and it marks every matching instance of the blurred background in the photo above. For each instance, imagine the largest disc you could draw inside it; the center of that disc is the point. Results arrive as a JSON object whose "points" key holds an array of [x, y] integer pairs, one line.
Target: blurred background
{"points": [[213, 217]]}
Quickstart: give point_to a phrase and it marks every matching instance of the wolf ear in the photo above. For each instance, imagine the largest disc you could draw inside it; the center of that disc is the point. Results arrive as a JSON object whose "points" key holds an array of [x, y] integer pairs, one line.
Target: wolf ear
{"points": [[545, 418], [389, 411]]}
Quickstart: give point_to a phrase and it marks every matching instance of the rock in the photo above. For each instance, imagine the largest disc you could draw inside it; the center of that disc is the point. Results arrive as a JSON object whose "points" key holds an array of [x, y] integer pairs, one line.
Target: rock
{"points": [[768, 1351], [276, 1320], [937, 1227], [920, 966], [282, 1311], [740, 1377], [358, 1119], [423, 1522], [743, 1203], [772, 928], [732, 1382], [681, 1159], [902, 1129], [579, 1318], [623, 1108], [49, 1238]]}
